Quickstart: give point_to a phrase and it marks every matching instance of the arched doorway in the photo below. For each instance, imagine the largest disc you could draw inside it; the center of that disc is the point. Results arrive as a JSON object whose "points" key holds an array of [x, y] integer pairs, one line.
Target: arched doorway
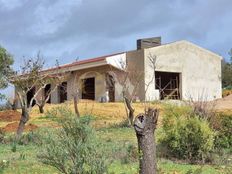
{"points": [[110, 86]]}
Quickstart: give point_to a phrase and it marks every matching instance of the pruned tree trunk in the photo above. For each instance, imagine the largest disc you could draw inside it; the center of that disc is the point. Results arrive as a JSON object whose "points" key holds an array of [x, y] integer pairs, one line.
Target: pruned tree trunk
{"points": [[75, 102], [23, 121], [145, 125]]}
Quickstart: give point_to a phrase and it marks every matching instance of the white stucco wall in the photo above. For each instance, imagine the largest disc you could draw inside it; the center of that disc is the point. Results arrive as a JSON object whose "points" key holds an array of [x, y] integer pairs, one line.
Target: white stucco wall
{"points": [[117, 61], [200, 69]]}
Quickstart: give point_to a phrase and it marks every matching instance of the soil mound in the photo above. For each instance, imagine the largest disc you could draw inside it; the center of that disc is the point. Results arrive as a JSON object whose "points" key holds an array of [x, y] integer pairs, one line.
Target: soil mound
{"points": [[12, 127], [9, 116]]}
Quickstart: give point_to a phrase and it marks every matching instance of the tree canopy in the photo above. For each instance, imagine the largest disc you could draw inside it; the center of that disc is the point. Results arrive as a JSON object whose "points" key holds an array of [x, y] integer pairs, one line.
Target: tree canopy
{"points": [[227, 72], [6, 60], [230, 54]]}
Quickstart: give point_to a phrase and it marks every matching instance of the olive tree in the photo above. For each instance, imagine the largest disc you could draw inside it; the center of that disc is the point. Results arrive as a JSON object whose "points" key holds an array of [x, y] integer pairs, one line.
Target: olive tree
{"points": [[30, 77], [6, 60]]}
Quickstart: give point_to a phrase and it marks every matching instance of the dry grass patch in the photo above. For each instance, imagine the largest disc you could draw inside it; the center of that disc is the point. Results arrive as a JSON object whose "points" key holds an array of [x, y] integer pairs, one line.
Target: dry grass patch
{"points": [[105, 113]]}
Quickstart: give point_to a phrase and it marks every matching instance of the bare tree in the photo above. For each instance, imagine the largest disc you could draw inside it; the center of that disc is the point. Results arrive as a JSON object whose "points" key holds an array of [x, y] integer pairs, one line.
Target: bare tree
{"points": [[133, 77], [54, 81], [144, 124], [130, 79], [152, 60], [30, 78], [75, 94]]}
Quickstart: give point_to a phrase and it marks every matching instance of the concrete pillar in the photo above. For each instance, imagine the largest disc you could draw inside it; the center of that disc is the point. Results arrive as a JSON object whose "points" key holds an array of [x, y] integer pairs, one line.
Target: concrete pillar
{"points": [[54, 95]]}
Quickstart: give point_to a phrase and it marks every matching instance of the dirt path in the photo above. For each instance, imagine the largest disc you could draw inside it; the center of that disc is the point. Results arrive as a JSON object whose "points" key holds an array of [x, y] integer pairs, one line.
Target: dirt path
{"points": [[224, 103]]}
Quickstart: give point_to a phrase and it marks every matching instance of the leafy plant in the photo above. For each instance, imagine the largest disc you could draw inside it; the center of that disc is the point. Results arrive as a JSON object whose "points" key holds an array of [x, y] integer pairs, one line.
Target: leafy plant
{"points": [[131, 154], [224, 131], [14, 147], [188, 138], [57, 112], [74, 148], [3, 164], [30, 137], [2, 136]]}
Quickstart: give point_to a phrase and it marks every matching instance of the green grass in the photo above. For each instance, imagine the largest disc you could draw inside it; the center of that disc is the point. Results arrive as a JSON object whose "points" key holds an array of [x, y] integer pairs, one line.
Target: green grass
{"points": [[24, 160], [30, 164]]}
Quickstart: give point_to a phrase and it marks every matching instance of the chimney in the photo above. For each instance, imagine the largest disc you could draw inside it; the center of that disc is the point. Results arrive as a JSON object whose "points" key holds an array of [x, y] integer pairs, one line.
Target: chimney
{"points": [[148, 42]]}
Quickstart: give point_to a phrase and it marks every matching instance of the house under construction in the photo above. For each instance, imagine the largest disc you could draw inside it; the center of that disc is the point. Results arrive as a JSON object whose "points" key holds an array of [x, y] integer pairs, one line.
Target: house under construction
{"points": [[180, 70]]}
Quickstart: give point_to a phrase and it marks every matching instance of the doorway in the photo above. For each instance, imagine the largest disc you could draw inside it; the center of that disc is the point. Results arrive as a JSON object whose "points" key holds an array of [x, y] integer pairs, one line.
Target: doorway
{"points": [[168, 84], [63, 92], [30, 95], [47, 91], [110, 86], [88, 88]]}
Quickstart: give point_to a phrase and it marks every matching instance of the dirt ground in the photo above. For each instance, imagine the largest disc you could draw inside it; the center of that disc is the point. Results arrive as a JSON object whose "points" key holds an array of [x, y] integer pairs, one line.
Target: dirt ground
{"points": [[12, 118], [12, 127], [9, 116], [224, 103], [107, 113]]}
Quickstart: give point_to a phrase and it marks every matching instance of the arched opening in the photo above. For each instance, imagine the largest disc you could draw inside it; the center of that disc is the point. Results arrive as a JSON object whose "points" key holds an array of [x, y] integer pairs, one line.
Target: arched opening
{"points": [[110, 87], [63, 92], [88, 88], [30, 95]]}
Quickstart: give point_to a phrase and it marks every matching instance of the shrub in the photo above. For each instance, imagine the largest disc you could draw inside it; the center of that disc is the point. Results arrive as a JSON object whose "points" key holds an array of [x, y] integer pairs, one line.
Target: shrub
{"points": [[131, 154], [58, 112], [74, 148], [186, 137], [224, 131], [2, 136], [14, 147], [202, 108], [3, 164], [30, 138]]}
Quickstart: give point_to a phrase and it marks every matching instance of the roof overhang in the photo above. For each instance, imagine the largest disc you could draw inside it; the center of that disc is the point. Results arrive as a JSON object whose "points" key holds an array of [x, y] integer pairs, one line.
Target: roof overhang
{"points": [[116, 60]]}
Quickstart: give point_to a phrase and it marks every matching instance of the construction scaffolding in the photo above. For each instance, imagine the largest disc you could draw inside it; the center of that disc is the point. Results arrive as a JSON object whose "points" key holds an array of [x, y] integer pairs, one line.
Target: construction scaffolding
{"points": [[168, 85]]}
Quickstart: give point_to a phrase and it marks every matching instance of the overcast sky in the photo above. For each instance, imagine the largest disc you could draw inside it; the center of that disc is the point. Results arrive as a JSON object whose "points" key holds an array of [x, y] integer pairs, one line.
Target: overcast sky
{"points": [[66, 30]]}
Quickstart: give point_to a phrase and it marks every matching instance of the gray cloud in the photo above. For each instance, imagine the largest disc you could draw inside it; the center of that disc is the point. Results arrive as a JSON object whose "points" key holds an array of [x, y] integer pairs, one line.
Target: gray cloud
{"points": [[66, 30]]}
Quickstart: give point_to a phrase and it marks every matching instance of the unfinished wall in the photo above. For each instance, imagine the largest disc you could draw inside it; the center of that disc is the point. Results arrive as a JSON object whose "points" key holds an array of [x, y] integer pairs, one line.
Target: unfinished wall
{"points": [[135, 60], [98, 73], [200, 69]]}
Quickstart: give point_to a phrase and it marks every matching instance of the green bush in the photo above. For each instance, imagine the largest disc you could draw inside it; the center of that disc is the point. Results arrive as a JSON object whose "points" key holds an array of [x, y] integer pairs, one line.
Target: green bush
{"points": [[2, 136], [3, 164], [224, 132], [131, 155], [74, 148], [186, 137], [30, 138], [58, 112]]}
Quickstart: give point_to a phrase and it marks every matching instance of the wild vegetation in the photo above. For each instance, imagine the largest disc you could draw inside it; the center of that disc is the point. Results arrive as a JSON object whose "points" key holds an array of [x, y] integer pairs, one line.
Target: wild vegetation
{"points": [[118, 141], [6, 60], [227, 73], [88, 137]]}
